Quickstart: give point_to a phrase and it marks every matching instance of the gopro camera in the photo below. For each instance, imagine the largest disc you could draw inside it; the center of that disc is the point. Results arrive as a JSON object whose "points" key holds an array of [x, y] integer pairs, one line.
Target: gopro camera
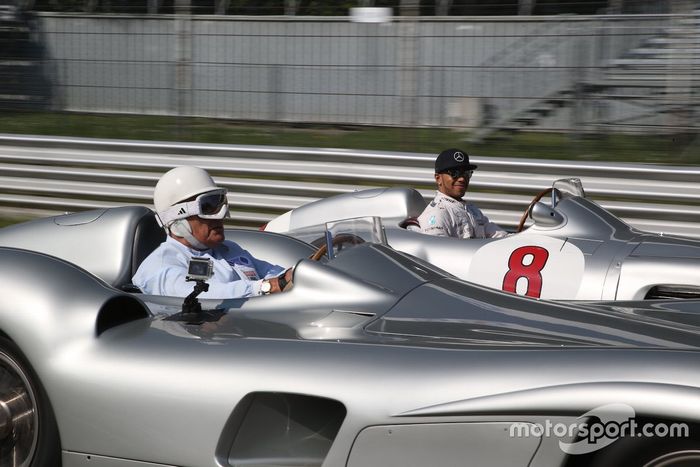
{"points": [[200, 269]]}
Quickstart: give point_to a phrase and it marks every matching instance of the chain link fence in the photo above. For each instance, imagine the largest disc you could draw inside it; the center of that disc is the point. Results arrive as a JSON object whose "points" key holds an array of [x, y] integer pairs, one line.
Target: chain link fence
{"points": [[491, 76]]}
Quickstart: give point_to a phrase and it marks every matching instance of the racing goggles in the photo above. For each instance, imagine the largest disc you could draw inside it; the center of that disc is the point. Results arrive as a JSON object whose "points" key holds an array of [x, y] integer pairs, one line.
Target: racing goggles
{"points": [[456, 173], [209, 205]]}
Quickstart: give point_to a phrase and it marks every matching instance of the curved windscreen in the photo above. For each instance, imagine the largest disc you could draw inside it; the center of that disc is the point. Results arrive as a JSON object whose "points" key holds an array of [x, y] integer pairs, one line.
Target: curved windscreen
{"points": [[347, 232]]}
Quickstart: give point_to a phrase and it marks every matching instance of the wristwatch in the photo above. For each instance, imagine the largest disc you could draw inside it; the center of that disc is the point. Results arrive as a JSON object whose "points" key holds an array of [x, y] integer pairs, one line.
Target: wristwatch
{"points": [[282, 281], [265, 287]]}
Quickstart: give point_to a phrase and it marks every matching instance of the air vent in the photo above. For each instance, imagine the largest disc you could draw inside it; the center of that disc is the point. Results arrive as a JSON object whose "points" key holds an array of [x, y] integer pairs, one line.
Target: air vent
{"points": [[118, 310], [673, 291], [280, 429]]}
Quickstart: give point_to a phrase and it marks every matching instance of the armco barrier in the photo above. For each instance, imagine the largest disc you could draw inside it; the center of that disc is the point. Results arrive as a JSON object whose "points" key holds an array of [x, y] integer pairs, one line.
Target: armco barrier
{"points": [[45, 175]]}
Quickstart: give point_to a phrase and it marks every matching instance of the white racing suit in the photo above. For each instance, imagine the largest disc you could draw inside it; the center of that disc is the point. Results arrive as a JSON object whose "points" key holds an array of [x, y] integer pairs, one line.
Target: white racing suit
{"points": [[449, 217]]}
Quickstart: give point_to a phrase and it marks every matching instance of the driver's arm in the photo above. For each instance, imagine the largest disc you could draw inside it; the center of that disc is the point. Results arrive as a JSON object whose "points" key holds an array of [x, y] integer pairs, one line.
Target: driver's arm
{"points": [[171, 281], [162, 273], [494, 230], [270, 272]]}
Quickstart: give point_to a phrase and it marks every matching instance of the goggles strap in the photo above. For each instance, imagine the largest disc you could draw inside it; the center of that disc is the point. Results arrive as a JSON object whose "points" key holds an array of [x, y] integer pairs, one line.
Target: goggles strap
{"points": [[194, 243], [179, 211]]}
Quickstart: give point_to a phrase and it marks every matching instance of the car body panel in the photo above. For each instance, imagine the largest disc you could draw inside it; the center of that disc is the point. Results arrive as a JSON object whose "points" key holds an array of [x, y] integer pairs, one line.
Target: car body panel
{"points": [[403, 445]]}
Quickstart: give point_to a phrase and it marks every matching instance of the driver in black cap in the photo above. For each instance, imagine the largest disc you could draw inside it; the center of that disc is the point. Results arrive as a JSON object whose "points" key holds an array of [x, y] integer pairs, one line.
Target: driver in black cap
{"points": [[448, 215]]}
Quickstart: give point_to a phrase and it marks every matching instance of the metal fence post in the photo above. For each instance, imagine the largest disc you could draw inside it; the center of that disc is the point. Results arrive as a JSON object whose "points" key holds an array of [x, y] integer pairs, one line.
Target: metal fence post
{"points": [[408, 87], [577, 80], [153, 6], [183, 59]]}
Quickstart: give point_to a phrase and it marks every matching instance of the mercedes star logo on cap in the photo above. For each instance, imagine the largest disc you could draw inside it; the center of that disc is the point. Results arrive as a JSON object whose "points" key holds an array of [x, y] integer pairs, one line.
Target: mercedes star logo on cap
{"points": [[459, 157]]}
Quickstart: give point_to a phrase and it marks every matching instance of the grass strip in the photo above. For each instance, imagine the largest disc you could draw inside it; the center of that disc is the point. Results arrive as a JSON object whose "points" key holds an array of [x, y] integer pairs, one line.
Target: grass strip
{"points": [[679, 149]]}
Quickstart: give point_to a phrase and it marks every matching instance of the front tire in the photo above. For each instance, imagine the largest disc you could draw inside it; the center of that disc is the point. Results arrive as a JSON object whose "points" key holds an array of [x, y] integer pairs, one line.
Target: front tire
{"points": [[28, 430]]}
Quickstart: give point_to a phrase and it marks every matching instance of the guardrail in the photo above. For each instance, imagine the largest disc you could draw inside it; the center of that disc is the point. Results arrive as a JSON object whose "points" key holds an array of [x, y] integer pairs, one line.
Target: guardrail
{"points": [[47, 175]]}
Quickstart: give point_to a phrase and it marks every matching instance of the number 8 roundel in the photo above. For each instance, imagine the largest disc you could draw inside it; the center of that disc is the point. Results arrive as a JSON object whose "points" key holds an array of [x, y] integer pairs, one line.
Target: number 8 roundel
{"points": [[532, 271]]}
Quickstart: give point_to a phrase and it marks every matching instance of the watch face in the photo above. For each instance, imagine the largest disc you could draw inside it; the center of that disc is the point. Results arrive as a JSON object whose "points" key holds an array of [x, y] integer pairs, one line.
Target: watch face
{"points": [[266, 287]]}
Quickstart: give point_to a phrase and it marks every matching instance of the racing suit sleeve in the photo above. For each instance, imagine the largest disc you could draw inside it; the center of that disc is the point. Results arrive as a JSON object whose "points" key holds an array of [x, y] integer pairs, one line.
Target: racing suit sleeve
{"points": [[436, 222], [482, 226], [493, 230]]}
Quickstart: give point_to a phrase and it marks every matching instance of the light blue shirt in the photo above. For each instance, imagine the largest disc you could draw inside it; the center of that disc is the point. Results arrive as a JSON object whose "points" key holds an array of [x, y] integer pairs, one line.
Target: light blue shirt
{"points": [[236, 273]]}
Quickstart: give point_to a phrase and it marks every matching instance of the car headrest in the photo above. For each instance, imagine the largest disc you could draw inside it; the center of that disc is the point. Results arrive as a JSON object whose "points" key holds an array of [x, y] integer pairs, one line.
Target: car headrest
{"points": [[147, 236]]}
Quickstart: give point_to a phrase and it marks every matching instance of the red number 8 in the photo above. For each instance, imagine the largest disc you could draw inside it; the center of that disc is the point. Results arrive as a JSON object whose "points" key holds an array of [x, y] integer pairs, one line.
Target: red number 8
{"points": [[531, 272]]}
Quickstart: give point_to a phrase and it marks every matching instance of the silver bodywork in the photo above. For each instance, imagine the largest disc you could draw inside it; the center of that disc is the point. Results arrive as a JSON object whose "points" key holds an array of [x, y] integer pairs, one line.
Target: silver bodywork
{"points": [[592, 255], [372, 359]]}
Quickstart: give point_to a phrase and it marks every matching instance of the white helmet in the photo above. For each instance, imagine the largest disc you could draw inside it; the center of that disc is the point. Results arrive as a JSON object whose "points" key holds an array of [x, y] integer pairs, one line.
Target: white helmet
{"points": [[185, 183], [179, 184]]}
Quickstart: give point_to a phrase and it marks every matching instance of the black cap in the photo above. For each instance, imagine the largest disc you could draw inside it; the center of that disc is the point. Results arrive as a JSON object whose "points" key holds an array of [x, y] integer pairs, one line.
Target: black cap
{"points": [[452, 158]]}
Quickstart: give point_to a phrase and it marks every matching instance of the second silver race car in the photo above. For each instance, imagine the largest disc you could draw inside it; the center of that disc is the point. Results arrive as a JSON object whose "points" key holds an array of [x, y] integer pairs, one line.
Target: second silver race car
{"points": [[574, 249]]}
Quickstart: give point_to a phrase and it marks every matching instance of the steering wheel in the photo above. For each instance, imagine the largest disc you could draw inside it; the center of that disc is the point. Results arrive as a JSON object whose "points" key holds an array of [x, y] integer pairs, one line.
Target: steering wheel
{"points": [[338, 240], [532, 203]]}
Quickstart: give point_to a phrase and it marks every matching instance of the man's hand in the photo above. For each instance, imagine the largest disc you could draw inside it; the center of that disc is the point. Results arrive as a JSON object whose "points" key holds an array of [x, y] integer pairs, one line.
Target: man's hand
{"points": [[275, 281]]}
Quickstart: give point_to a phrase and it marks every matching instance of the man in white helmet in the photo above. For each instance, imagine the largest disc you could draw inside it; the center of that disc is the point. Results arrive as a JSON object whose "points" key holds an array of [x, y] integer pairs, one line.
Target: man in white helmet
{"points": [[191, 208]]}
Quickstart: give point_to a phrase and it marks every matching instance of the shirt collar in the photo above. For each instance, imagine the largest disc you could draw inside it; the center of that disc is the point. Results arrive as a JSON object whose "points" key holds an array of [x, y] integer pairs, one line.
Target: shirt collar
{"points": [[440, 194], [192, 252], [186, 249]]}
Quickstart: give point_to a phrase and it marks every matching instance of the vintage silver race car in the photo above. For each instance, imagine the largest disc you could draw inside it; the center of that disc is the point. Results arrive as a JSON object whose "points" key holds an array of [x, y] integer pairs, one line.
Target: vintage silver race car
{"points": [[373, 358], [574, 249]]}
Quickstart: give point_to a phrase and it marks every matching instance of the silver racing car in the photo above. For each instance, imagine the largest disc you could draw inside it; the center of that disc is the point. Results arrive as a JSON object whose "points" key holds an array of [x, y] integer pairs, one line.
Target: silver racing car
{"points": [[573, 249], [373, 358]]}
